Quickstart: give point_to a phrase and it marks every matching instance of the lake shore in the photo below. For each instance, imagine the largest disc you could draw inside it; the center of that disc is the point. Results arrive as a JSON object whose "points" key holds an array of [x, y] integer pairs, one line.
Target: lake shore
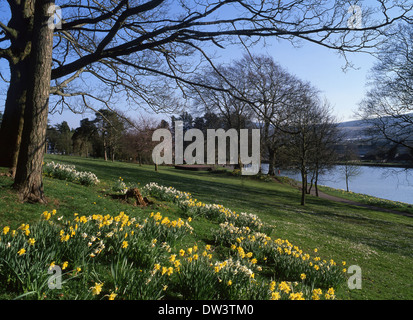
{"points": [[384, 182], [381, 164]]}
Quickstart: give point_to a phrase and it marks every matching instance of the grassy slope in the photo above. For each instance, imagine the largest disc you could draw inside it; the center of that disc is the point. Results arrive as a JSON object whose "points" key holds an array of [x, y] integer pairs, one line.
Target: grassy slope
{"points": [[380, 243]]}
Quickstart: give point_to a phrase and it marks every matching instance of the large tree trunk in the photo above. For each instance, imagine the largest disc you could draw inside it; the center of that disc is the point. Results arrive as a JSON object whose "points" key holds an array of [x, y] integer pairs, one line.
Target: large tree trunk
{"points": [[105, 153], [13, 117], [28, 180], [271, 162], [13, 120]]}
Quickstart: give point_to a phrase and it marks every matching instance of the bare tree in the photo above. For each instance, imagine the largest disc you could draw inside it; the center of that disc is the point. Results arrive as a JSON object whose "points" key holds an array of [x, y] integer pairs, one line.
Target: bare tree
{"points": [[308, 146], [350, 167], [325, 137], [127, 46], [271, 94], [388, 106], [111, 127], [235, 113]]}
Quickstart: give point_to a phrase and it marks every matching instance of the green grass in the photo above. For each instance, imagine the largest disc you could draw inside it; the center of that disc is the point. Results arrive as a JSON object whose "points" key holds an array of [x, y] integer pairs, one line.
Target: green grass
{"points": [[380, 243]]}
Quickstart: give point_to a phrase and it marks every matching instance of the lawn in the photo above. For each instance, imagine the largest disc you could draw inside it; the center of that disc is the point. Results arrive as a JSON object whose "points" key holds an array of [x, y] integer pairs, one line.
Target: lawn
{"points": [[379, 243]]}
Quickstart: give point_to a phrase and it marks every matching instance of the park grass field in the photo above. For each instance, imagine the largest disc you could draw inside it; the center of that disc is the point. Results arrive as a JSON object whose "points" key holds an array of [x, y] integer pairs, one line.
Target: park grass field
{"points": [[379, 243]]}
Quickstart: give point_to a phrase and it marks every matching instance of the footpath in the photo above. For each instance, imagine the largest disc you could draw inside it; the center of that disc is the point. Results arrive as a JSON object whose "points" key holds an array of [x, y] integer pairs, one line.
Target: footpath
{"points": [[354, 203]]}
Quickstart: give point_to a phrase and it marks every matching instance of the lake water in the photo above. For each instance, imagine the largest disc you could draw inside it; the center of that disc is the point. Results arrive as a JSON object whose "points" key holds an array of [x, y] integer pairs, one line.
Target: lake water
{"points": [[394, 184]]}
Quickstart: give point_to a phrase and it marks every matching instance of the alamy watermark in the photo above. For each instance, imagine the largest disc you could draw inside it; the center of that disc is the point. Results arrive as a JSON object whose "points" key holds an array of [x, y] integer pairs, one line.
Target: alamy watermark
{"points": [[354, 281], [355, 21], [216, 147], [55, 21], [55, 281]]}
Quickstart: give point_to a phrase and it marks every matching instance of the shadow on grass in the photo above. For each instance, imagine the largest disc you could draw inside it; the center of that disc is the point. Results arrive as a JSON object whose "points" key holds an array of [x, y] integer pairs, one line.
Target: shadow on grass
{"points": [[206, 186], [360, 225]]}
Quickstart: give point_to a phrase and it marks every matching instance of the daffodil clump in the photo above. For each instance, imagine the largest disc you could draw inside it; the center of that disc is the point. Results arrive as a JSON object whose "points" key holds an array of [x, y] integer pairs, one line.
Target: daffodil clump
{"points": [[282, 257], [192, 207], [190, 273], [165, 193], [85, 249], [69, 173], [120, 186], [161, 227], [252, 247], [194, 273], [287, 290]]}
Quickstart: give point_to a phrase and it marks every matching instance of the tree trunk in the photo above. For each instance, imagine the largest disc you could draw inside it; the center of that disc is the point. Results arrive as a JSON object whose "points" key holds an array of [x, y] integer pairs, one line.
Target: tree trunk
{"points": [[303, 187], [347, 183], [311, 185], [271, 162], [13, 117], [139, 199], [347, 175], [105, 153], [28, 180]]}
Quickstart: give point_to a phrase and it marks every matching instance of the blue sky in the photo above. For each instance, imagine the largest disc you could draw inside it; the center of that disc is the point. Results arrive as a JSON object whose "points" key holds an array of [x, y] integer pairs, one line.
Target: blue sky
{"points": [[317, 64]]}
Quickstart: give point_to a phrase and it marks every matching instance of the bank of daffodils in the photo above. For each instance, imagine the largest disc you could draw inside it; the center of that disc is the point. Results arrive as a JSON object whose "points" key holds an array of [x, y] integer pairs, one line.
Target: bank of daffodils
{"points": [[69, 173], [123, 257]]}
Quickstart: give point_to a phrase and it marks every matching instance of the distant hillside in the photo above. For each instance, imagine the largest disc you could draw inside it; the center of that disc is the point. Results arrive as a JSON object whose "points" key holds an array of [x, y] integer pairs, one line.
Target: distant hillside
{"points": [[375, 150], [353, 130]]}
